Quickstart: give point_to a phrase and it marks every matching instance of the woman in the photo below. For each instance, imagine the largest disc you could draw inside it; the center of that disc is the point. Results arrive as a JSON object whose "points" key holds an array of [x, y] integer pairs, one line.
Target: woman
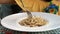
{"points": [[40, 5], [10, 6]]}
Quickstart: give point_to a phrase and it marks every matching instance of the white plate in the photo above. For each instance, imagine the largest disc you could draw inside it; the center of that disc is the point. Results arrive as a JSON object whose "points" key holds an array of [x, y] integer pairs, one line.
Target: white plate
{"points": [[11, 22]]}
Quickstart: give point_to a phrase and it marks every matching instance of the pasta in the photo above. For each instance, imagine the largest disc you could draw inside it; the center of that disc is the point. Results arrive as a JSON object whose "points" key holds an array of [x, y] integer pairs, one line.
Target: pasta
{"points": [[34, 21]]}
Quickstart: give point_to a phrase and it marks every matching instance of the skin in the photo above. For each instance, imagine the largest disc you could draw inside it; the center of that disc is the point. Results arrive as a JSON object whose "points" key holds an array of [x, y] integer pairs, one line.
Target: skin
{"points": [[7, 2]]}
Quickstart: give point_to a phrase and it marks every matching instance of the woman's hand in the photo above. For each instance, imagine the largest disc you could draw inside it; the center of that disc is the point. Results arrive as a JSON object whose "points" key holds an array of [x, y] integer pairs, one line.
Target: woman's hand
{"points": [[7, 2]]}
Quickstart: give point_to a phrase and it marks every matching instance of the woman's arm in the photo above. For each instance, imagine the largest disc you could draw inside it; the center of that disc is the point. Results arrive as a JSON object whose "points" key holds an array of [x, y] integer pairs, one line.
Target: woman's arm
{"points": [[7, 2]]}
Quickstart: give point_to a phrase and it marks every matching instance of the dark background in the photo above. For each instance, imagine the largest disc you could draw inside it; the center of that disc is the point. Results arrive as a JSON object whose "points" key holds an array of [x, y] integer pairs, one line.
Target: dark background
{"points": [[8, 9]]}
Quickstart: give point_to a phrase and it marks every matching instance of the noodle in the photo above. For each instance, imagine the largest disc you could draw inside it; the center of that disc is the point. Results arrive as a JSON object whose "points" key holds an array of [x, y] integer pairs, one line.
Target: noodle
{"points": [[34, 21]]}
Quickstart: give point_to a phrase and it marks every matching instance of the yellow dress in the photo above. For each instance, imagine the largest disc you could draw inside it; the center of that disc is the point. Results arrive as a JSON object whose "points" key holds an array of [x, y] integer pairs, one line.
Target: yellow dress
{"points": [[35, 5]]}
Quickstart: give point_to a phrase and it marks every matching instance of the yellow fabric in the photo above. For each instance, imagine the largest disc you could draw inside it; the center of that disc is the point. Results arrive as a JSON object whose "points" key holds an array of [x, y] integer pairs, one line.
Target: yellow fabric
{"points": [[33, 5], [36, 5]]}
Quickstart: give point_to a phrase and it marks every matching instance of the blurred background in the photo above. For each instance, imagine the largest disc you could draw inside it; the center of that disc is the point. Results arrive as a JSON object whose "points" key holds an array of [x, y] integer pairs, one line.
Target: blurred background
{"points": [[8, 9]]}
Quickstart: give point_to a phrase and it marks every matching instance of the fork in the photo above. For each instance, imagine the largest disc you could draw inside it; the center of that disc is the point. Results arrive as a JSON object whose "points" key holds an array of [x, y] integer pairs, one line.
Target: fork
{"points": [[28, 11]]}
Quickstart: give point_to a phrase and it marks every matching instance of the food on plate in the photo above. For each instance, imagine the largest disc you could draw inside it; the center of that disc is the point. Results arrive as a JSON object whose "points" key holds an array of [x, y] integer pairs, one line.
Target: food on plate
{"points": [[33, 22]]}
